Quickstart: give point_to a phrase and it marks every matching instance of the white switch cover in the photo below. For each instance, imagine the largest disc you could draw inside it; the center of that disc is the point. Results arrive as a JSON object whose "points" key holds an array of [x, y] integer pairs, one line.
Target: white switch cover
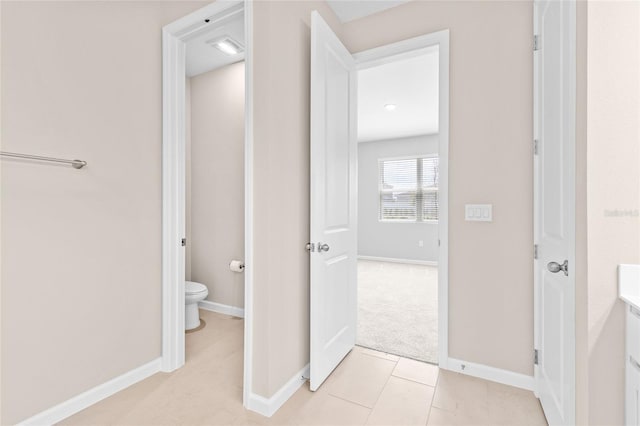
{"points": [[478, 212]]}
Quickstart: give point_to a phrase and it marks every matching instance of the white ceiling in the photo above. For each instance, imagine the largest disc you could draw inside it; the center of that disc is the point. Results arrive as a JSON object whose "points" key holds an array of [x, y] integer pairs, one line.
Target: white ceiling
{"points": [[203, 57], [412, 85], [349, 10]]}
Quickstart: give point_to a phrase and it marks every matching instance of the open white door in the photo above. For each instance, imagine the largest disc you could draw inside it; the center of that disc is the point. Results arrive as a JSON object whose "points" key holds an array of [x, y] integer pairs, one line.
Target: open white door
{"points": [[554, 205], [333, 247]]}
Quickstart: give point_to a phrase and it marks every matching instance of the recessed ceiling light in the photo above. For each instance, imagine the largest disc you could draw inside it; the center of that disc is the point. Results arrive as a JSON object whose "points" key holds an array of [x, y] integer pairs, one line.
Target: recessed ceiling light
{"points": [[226, 45], [390, 107]]}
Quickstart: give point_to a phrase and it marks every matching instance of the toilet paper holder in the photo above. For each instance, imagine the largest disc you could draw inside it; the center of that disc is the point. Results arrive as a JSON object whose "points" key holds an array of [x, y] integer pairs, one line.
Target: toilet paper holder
{"points": [[236, 266]]}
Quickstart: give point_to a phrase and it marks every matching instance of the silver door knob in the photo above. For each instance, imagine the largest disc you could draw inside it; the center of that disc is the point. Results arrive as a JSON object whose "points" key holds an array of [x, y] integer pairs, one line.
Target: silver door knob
{"points": [[555, 267], [323, 247]]}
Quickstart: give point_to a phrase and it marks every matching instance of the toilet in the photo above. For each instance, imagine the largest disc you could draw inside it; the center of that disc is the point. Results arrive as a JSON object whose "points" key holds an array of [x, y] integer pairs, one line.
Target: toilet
{"points": [[194, 292]]}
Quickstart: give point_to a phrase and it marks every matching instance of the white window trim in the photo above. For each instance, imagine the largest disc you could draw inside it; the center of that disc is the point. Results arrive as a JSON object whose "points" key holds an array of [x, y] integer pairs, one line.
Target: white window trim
{"points": [[380, 189]]}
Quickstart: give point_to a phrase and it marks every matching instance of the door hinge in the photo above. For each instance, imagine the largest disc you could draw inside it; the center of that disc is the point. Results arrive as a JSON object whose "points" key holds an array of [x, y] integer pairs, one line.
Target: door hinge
{"points": [[310, 247], [183, 242], [536, 358], [536, 42], [535, 251], [535, 146]]}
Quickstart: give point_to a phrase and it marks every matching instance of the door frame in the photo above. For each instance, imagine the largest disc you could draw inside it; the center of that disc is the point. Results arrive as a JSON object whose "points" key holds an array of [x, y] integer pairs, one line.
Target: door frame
{"points": [[407, 49], [173, 182]]}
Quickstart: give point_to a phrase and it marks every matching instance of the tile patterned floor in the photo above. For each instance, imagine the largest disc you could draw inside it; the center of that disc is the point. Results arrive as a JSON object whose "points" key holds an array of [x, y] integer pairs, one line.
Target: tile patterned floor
{"points": [[367, 388]]}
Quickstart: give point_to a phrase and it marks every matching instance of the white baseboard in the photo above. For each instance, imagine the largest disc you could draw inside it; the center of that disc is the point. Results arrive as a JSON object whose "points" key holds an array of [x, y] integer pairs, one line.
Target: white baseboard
{"points": [[493, 374], [268, 406], [394, 260], [221, 309], [86, 399]]}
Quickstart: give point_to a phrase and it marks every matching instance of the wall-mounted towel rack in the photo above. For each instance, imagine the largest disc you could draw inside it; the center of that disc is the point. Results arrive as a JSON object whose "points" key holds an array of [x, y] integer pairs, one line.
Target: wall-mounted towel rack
{"points": [[76, 164]]}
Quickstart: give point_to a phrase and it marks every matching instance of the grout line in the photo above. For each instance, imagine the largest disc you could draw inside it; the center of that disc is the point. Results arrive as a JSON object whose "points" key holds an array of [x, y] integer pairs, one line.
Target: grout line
{"points": [[433, 396], [381, 392], [349, 401], [379, 357], [383, 388], [414, 381]]}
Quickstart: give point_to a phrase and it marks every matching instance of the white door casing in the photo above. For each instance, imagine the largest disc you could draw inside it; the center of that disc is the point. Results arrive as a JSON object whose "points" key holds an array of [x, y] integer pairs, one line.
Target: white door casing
{"points": [[333, 215], [554, 207]]}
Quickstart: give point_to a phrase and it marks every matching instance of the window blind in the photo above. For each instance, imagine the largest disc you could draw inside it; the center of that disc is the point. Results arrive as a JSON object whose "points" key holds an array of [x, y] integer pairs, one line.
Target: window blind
{"points": [[409, 189]]}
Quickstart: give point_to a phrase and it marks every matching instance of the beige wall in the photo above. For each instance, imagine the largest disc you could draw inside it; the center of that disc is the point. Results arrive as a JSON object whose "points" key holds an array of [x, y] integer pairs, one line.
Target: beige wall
{"points": [[281, 189], [81, 249], [613, 182], [217, 182], [490, 308]]}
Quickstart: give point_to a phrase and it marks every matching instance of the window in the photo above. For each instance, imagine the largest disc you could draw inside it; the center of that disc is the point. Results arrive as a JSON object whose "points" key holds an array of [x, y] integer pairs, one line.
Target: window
{"points": [[409, 189]]}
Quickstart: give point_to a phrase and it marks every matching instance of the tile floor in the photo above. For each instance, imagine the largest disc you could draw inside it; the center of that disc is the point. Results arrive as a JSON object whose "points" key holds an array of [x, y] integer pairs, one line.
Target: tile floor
{"points": [[367, 388]]}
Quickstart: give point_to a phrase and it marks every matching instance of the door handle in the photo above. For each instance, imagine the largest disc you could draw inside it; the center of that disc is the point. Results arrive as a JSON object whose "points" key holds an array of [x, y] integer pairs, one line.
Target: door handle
{"points": [[555, 267], [323, 247]]}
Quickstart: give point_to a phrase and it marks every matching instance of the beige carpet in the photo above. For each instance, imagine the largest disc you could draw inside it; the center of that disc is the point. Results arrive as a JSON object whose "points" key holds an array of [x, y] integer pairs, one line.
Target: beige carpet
{"points": [[398, 309]]}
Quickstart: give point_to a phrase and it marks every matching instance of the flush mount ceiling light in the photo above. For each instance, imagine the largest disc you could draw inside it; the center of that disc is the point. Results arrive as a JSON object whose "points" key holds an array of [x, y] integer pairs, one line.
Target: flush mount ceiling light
{"points": [[227, 45], [390, 107]]}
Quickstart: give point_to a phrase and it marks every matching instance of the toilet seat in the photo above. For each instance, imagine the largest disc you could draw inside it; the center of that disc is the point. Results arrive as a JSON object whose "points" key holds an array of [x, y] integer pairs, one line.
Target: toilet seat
{"points": [[193, 288]]}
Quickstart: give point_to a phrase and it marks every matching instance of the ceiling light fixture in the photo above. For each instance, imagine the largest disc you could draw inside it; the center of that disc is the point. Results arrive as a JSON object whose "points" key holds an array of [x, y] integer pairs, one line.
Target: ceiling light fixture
{"points": [[390, 107], [227, 45]]}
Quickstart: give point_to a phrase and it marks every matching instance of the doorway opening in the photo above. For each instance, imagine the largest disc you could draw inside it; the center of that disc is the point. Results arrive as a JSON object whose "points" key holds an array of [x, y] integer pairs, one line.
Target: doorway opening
{"points": [[214, 186], [398, 181], [334, 227], [206, 192]]}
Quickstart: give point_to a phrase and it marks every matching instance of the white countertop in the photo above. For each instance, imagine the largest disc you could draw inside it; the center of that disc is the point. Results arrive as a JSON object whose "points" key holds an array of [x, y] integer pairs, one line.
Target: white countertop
{"points": [[629, 284]]}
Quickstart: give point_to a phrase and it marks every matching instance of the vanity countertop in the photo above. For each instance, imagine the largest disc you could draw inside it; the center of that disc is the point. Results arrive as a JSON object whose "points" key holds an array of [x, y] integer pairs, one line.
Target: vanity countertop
{"points": [[629, 284]]}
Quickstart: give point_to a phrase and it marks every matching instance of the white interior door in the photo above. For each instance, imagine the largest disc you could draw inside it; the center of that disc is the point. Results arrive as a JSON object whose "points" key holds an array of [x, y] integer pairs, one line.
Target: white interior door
{"points": [[333, 200], [554, 228]]}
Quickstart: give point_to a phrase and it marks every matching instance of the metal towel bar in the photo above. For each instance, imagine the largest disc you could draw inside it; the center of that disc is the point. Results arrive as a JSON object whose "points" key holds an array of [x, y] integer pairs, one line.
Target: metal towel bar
{"points": [[76, 164]]}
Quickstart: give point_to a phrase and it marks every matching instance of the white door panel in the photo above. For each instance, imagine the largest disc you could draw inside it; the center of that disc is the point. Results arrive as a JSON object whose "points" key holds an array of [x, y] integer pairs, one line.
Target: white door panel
{"points": [[554, 233], [333, 303]]}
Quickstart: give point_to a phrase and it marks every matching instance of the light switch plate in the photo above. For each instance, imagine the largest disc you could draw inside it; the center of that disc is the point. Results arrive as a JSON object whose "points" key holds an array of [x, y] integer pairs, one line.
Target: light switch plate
{"points": [[478, 212]]}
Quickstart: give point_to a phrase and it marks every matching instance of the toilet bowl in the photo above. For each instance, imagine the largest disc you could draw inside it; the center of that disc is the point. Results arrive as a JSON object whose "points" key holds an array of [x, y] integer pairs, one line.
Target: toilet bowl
{"points": [[193, 293]]}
